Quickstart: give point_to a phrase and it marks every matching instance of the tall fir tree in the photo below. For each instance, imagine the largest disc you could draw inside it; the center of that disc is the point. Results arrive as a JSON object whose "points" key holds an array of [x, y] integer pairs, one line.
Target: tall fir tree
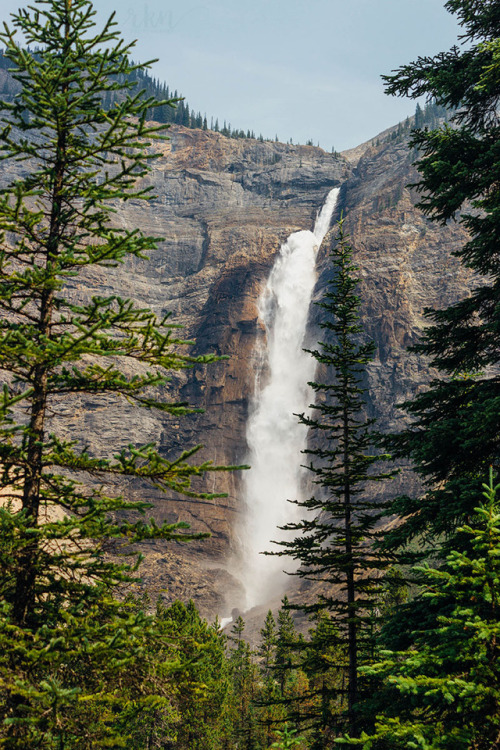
{"points": [[333, 545], [267, 646], [322, 661], [285, 660], [443, 693], [247, 733], [77, 161], [202, 693], [455, 424]]}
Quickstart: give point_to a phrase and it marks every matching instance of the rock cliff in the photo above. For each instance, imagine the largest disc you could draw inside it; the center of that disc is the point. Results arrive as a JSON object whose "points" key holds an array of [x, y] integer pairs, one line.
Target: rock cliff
{"points": [[223, 207]]}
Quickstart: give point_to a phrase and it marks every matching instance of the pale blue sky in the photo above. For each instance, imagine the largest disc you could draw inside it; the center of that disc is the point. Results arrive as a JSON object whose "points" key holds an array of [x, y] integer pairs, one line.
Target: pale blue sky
{"points": [[299, 68]]}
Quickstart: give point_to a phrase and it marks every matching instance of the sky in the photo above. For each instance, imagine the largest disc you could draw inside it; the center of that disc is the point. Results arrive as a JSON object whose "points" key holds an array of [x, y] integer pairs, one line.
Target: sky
{"points": [[300, 69]]}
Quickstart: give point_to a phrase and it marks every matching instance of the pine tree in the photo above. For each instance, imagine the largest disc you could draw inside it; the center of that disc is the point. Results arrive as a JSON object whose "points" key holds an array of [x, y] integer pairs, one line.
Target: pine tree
{"points": [[269, 696], [444, 692], [291, 695], [419, 117], [202, 693], [244, 674], [323, 662], [267, 645], [69, 640], [286, 640], [334, 545], [287, 739], [455, 424]]}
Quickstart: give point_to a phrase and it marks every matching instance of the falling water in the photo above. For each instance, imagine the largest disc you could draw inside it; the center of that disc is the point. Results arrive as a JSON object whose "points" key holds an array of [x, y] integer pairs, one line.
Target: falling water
{"points": [[275, 437]]}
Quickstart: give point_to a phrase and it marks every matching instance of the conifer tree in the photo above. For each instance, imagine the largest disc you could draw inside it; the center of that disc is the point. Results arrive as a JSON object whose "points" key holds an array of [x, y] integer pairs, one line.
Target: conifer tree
{"points": [[202, 692], [267, 644], [455, 425], [287, 739], [269, 695], [323, 663], [286, 640], [333, 545], [444, 692], [244, 673], [56, 221]]}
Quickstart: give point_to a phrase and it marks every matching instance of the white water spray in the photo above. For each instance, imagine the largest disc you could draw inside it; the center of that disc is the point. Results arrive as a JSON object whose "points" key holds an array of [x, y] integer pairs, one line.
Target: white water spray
{"points": [[275, 437]]}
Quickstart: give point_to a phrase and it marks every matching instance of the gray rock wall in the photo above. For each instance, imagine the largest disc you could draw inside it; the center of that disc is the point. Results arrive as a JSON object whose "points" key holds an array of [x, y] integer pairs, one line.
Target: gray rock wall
{"points": [[223, 207]]}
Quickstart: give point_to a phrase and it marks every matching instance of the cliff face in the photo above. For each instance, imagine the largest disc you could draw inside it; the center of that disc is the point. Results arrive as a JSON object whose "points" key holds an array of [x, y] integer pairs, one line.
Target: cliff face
{"points": [[224, 207], [406, 265]]}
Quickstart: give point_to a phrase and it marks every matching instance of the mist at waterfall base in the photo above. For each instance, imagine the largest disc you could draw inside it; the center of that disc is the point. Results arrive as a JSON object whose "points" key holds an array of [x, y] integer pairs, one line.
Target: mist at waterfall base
{"points": [[275, 437]]}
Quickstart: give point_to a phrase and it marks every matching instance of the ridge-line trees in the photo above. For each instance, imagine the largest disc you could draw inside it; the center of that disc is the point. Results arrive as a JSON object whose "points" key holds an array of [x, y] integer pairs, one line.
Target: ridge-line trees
{"points": [[77, 161], [455, 430], [334, 546]]}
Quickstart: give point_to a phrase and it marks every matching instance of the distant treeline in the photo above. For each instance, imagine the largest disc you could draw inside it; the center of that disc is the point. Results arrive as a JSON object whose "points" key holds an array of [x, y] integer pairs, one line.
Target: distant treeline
{"points": [[430, 116], [178, 113], [181, 113]]}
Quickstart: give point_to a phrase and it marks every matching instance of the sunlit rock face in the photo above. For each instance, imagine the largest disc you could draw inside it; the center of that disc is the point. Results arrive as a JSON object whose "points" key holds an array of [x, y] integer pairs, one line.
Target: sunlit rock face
{"points": [[223, 208]]}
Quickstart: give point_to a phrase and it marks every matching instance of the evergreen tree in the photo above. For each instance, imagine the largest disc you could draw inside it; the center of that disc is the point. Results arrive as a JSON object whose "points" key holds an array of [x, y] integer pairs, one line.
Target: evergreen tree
{"points": [[323, 663], [244, 673], [455, 426], [202, 692], [286, 640], [334, 545], [269, 696], [283, 694], [267, 645], [419, 117], [287, 739], [444, 693], [69, 641]]}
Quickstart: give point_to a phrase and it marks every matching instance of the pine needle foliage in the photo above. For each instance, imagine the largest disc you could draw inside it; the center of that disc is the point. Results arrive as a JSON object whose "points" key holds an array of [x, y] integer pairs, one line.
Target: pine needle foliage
{"points": [[455, 429], [444, 692], [75, 163], [334, 541]]}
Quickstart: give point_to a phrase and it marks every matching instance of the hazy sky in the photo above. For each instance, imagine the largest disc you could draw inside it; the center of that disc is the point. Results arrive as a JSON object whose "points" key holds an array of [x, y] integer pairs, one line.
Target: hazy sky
{"points": [[299, 68]]}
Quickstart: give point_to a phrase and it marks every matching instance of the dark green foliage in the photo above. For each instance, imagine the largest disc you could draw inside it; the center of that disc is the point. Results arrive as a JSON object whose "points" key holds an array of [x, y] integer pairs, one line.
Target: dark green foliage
{"points": [[282, 694], [444, 693], [455, 432], [430, 116], [86, 680], [268, 643], [247, 733], [202, 693], [333, 545], [269, 692], [286, 640], [173, 111], [74, 674], [439, 685], [323, 661]]}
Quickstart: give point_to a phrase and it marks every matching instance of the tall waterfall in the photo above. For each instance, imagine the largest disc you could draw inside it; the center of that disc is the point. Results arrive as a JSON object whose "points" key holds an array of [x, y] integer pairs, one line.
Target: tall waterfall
{"points": [[275, 437]]}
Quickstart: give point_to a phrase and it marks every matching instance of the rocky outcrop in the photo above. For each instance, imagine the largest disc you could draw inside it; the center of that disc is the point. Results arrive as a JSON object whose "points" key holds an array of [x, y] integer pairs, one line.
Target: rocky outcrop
{"points": [[406, 265], [232, 204], [223, 207]]}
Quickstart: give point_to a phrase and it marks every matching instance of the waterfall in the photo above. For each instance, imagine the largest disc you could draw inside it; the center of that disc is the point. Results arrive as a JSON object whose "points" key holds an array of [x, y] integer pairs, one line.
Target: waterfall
{"points": [[274, 436]]}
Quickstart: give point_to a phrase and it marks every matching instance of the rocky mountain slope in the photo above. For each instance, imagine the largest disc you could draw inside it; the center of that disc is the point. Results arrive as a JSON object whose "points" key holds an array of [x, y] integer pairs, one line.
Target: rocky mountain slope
{"points": [[223, 207]]}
